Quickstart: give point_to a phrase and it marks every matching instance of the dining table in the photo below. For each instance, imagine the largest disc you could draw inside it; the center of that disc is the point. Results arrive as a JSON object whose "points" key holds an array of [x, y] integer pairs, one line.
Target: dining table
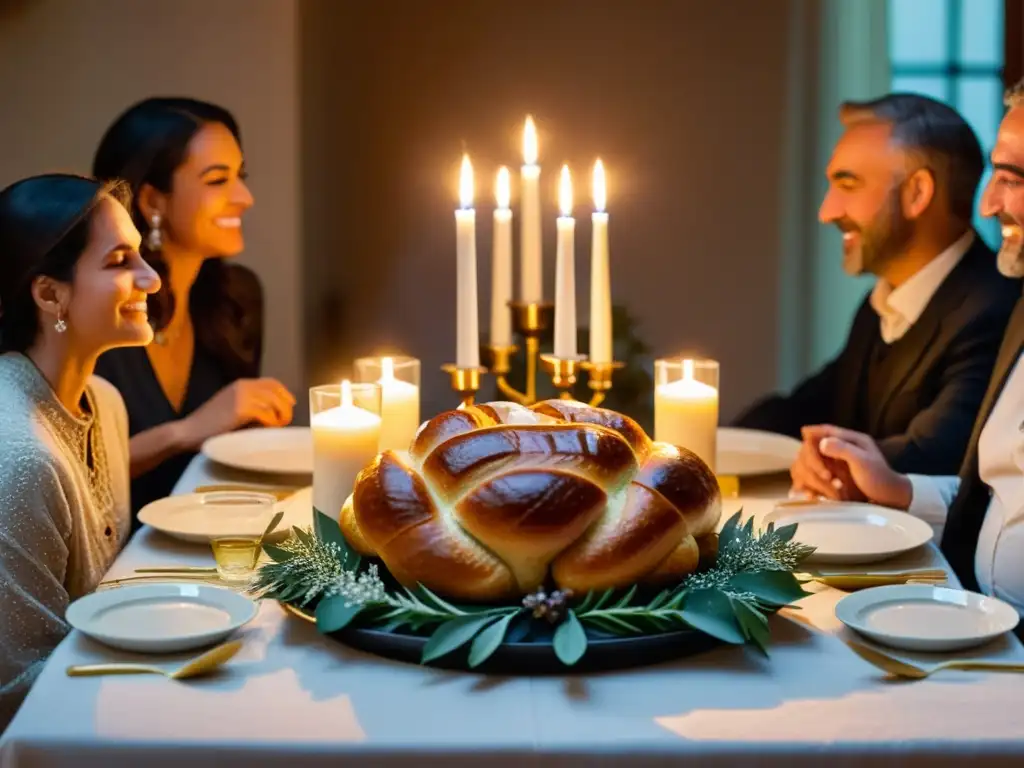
{"points": [[297, 699]]}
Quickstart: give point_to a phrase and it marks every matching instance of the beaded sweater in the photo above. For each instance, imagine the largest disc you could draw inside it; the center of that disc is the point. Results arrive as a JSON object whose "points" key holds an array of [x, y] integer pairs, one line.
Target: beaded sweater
{"points": [[64, 513]]}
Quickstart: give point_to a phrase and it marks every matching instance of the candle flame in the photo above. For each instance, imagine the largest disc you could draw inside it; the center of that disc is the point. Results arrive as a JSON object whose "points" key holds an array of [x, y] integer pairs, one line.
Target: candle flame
{"points": [[688, 370], [600, 193], [466, 183], [530, 142], [565, 192], [387, 369], [346, 394], [502, 189]]}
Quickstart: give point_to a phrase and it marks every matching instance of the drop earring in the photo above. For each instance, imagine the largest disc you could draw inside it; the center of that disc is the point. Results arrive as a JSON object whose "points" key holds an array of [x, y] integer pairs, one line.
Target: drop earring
{"points": [[60, 326], [154, 240]]}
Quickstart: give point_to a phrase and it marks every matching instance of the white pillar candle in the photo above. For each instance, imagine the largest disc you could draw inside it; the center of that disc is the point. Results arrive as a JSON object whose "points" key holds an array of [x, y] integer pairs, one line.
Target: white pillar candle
{"points": [[600, 276], [345, 439], [467, 348], [400, 409], [531, 286], [565, 272], [686, 414], [501, 264]]}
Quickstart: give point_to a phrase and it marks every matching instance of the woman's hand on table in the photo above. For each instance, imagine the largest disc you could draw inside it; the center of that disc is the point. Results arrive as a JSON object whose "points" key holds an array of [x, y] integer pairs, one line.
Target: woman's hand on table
{"points": [[864, 472], [264, 402]]}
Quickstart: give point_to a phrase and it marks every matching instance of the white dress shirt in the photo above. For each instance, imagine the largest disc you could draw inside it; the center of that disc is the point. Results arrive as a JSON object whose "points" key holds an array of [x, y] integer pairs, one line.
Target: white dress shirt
{"points": [[999, 560], [899, 308]]}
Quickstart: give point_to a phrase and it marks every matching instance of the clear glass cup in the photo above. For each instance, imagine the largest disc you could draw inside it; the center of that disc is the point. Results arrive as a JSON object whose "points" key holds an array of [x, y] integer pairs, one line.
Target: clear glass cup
{"points": [[237, 521], [686, 405], [399, 379]]}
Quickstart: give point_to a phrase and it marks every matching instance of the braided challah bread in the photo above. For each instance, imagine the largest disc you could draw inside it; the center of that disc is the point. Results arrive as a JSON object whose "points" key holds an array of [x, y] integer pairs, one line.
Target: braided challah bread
{"points": [[492, 498]]}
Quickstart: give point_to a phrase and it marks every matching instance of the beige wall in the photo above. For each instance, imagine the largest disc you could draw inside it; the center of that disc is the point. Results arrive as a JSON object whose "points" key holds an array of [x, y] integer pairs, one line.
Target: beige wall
{"points": [[685, 101], [68, 67]]}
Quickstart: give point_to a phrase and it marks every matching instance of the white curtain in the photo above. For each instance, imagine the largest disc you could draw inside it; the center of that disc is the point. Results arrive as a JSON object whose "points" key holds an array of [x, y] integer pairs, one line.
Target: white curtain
{"points": [[839, 52]]}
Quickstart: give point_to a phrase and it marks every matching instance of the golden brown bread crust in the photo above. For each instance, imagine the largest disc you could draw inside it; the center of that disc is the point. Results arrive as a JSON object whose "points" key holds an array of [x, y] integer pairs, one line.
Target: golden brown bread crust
{"points": [[400, 522], [578, 413], [461, 461], [493, 498]]}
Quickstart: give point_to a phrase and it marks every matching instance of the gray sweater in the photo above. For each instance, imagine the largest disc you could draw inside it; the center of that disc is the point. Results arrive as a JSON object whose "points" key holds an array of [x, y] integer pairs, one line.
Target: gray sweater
{"points": [[64, 513]]}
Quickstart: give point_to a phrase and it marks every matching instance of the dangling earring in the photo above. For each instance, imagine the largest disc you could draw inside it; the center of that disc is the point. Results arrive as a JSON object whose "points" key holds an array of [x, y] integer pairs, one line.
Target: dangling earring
{"points": [[60, 326], [154, 240]]}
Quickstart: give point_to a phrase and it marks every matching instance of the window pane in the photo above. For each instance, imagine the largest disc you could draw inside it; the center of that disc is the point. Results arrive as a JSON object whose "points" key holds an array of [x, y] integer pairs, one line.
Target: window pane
{"points": [[929, 86], [979, 100], [918, 32], [981, 32]]}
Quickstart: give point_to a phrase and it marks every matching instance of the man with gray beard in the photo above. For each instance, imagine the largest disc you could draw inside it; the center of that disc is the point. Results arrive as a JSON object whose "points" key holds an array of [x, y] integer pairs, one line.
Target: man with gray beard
{"points": [[912, 375], [981, 511]]}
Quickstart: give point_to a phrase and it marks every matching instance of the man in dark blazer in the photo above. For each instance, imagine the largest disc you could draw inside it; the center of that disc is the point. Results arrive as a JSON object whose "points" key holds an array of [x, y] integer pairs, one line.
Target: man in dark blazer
{"points": [[913, 372], [981, 511]]}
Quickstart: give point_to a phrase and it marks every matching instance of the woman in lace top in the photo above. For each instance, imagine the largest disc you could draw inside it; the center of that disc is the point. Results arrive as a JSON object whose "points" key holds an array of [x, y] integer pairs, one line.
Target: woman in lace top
{"points": [[183, 159], [72, 285]]}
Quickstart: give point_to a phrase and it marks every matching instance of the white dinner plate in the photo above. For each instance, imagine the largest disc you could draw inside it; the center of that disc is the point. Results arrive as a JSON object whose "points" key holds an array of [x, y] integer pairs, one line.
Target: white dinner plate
{"points": [[852, 532], [185, 517], [749, 452], [920, 617], [267, 450], [161, 618]]}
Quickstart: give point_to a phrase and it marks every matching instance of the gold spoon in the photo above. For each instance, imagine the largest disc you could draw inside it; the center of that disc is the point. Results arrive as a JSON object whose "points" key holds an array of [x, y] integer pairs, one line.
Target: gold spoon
{"points": [[200, 665], [902, 668]]}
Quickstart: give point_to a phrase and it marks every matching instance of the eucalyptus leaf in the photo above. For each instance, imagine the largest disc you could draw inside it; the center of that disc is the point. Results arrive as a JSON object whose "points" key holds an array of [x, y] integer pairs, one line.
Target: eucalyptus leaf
{"points": [[487, 642], [334, 613], [570, 640], [753, 623], [277, 554], [771, 587], [301, 535], [728, 531], [453, 634], [786, 532], [328, 529], [710, 611]]}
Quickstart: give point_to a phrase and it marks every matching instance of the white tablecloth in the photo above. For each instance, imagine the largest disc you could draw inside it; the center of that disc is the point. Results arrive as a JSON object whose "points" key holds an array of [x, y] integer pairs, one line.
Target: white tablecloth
{"points": [[294, 698]]}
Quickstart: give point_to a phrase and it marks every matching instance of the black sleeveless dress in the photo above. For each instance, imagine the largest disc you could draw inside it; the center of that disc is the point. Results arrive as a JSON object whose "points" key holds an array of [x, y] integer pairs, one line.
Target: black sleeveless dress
{"points": [[238, 356]]}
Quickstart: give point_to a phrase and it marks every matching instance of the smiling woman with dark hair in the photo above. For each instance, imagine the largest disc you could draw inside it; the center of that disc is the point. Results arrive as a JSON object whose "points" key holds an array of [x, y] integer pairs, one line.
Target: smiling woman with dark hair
{"points": [[72, 285], [183, 160]]}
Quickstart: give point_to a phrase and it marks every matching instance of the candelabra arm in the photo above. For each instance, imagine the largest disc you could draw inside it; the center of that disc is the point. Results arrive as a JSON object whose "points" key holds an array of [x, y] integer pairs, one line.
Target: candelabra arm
{"points": [[509, 391], [599, 379], [532, 353]]}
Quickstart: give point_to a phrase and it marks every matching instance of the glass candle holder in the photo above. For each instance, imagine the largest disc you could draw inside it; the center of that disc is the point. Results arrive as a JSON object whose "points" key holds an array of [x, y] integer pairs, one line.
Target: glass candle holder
{"points": [[346, 422], [686, 405], [399, 380]]}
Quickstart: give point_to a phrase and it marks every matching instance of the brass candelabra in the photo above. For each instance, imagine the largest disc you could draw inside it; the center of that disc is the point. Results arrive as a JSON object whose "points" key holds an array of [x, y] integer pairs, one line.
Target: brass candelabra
{"points": [[529, 321]]}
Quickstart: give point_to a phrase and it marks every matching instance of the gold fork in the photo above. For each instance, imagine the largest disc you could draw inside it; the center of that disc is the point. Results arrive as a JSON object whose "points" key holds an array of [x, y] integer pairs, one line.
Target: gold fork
{"points": [[903, 668]]}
